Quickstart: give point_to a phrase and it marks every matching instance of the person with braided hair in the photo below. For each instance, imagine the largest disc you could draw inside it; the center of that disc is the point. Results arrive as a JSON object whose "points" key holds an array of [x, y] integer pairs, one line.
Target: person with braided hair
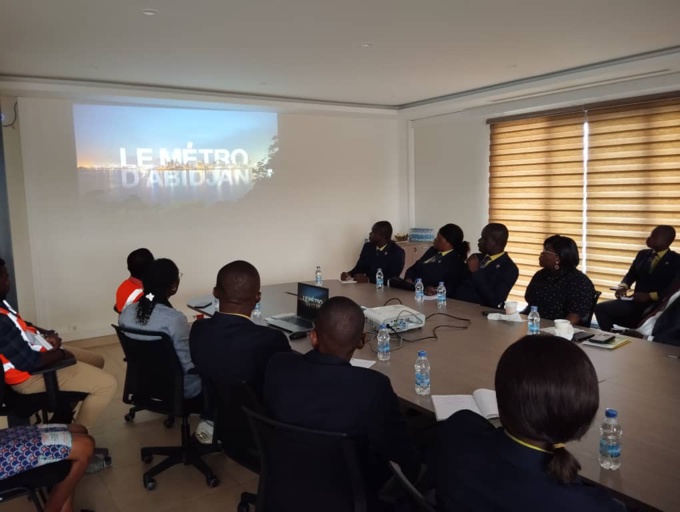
{"points": [[548, 395]]}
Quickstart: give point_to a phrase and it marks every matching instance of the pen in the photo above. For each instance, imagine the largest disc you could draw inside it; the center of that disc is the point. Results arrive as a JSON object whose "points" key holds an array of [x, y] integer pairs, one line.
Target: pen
{"points": [[673, 356]]}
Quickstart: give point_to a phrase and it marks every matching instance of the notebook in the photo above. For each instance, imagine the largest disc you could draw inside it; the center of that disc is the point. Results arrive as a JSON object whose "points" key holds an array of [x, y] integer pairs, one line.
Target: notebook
{"points": [[309, 300], [609, 345], [481, 401]]}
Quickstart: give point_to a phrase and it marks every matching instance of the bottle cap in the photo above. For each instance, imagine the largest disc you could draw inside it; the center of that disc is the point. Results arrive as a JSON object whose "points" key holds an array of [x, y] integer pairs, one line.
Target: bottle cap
{"points": [[611, 413], [534, 308], [422, 353], [441, 283], [379, 269], [382, 326]]}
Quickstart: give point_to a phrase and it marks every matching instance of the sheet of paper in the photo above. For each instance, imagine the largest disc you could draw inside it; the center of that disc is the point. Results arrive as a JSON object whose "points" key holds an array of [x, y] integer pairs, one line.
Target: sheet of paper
{"points": [[486, 401], [446, 405], [430, 297], [348, 282], [361, 363]]}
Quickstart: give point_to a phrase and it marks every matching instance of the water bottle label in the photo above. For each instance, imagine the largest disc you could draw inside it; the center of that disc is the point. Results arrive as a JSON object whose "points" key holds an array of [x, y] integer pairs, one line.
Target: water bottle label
{"points": [[379, 282], [608, 449], [422, 380]]}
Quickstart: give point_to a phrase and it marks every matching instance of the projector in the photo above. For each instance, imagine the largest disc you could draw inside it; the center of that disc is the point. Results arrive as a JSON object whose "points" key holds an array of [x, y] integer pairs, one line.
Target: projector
{"points": [[397, 318]]}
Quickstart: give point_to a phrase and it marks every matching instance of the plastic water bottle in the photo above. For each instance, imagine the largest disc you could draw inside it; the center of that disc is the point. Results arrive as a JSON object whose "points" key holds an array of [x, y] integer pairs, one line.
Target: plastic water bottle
{"points": [[422, 367], [318, 277], [257, 311], [383, 344], [379, 279], [420, 291], [610, 441], [441, 295], [534, 320]]}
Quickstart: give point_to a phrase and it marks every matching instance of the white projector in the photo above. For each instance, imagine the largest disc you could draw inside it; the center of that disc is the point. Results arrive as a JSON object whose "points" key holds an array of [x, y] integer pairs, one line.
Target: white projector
{"points": [[397, 318]]}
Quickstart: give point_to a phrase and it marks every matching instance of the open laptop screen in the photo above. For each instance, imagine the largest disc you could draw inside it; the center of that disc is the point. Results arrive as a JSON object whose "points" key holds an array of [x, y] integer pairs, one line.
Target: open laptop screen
{"points": [[310, 299]]}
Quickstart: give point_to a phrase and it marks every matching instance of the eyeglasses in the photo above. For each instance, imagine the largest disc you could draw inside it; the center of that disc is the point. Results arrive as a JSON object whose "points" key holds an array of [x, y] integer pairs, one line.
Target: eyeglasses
{"points": [[549, 252]]}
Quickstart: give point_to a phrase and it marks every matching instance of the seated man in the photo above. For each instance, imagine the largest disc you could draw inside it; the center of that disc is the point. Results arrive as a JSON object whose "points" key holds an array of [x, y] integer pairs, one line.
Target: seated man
{"points": [[138, 263], [379, 252], [229, 348], [24, 349], [663, 323], [652, 271], [492, 272], [322, 390]]}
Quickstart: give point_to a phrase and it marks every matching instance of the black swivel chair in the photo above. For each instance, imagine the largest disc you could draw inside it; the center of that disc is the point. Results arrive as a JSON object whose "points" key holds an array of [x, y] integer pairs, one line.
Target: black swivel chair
{"points": [[587, 320], [416, 500], [305, 470], [156, 383]]}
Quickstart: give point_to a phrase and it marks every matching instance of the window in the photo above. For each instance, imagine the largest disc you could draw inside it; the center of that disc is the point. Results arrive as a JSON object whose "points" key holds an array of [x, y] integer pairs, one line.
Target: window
{"points": [[604, 176]]}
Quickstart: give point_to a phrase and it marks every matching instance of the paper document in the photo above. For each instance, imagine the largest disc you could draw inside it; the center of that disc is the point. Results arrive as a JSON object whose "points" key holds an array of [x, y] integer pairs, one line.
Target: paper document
{"points": [[482, 401], [361, 363], [609, 345], [430, 297], [349, 281]]}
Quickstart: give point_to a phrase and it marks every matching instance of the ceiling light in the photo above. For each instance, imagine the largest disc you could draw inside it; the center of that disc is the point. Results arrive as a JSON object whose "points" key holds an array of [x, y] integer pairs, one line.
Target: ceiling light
{"points": [[149, 12], [366, 45]]}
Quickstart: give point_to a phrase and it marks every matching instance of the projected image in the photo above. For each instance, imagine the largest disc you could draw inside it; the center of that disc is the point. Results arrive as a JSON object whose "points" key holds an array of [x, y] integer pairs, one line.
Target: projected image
{"points": [[166, 155]]}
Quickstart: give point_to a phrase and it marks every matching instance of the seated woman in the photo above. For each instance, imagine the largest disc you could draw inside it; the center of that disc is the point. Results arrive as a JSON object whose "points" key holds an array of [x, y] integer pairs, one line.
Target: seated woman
{"points": [[154, 312], [559, 289], [547, 395], [444, 261], [28, 447]]}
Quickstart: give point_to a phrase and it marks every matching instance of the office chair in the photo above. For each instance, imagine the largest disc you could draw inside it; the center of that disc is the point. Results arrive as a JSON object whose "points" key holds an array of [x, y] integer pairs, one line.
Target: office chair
{"points": [[305, 470], [416, 499], [156, 383], [32, 483], [588, 319]]}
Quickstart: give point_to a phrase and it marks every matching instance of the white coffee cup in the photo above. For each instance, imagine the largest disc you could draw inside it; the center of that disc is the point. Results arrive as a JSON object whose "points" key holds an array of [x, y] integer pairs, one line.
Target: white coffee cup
{"points": [[510, 307], [563, 328]]}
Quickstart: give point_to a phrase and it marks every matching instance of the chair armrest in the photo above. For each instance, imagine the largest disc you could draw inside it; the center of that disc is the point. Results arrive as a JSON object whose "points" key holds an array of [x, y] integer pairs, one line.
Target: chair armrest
{"points": [[58, 365]]}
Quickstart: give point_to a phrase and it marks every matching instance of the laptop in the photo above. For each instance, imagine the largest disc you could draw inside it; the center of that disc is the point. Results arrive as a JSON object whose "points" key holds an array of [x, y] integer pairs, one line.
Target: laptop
{"points": [[309, 300]]}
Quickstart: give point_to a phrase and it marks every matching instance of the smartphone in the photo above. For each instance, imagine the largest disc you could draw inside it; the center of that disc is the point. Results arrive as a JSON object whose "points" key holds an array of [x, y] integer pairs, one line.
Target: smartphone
{"points": [[582, 336], [604, 337]]}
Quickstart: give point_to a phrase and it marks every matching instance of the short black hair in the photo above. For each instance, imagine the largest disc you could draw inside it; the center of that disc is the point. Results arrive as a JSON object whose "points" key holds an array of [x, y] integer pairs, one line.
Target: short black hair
{"points": [[454, 235], [565, 248], [667, 232], [498, 233], [340, 323], [238, 282], [547, 391], [139, 261], [384, 228]]}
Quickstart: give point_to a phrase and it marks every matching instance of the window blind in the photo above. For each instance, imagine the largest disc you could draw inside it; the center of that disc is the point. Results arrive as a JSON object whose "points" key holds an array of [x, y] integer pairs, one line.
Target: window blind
{"points": [[536, 184], [633, 176]]}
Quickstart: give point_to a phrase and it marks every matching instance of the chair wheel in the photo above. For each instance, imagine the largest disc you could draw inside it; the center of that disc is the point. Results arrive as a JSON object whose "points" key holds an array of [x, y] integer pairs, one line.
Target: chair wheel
{"points": [[149, 484], [147, 459], [129, 417], [212, 481], [168, 422]]}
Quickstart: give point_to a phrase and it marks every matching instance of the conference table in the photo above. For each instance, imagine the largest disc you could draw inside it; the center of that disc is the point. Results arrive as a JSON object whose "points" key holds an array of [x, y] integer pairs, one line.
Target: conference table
{"points": [[641, 380]]}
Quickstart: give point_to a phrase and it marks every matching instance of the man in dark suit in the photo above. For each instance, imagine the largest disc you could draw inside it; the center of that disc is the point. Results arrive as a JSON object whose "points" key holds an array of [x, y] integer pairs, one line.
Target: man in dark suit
{"points": [[379, 252], [663, 323], [652, 272], [322, 390], [229, 348], [492, 272]]}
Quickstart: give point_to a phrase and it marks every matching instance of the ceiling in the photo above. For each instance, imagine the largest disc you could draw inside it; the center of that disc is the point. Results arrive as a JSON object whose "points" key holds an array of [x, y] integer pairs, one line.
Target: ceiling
{"points": [[373, 52]]}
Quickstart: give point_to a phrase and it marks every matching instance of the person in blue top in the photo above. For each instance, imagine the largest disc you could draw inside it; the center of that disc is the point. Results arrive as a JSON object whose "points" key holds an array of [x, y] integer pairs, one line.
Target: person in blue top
{"points": [[547, 392], [379, 252], [154, 312]]}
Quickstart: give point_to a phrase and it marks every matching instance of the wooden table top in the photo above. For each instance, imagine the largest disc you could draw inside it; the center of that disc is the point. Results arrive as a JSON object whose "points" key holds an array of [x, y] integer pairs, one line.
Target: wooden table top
{"points": [[637, 379]]}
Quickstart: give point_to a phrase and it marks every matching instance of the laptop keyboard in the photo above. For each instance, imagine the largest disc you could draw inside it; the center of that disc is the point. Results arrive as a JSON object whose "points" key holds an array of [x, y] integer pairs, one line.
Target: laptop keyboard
{"points": [[296, 321]]}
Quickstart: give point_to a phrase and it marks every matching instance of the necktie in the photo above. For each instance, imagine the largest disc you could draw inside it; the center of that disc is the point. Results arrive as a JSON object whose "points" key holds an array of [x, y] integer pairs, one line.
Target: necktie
{"points": [[485, 261], [654, 262]]}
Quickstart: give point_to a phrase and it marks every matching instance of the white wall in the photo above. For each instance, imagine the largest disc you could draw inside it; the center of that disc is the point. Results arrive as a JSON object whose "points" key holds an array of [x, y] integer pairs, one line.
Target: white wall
{"points": [[451, 155], [338, 175]]}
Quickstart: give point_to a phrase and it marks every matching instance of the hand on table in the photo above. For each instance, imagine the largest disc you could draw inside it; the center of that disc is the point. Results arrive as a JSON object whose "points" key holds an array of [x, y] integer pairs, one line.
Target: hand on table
{"points": [[361, 278], [430, 290], [345, 276]]}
